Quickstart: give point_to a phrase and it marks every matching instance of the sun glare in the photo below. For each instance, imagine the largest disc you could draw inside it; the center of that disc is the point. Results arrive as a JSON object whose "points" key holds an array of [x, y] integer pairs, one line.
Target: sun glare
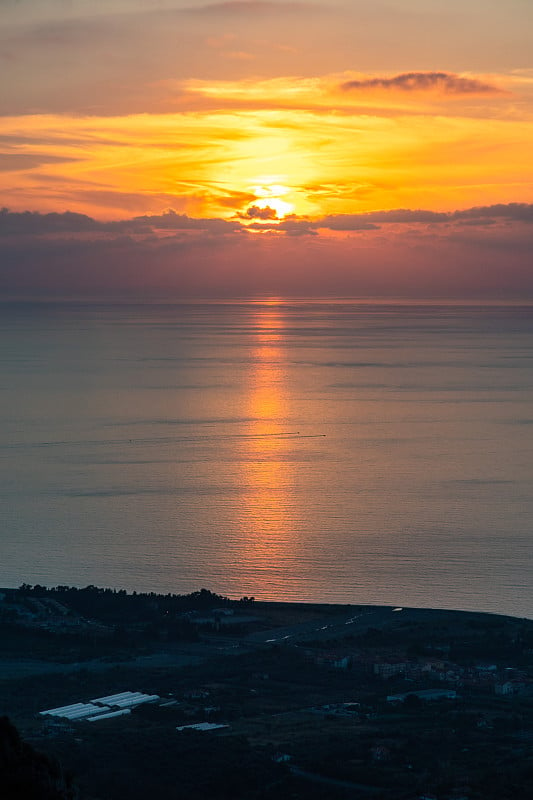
{"points": [[271, 195], [281, 207]]}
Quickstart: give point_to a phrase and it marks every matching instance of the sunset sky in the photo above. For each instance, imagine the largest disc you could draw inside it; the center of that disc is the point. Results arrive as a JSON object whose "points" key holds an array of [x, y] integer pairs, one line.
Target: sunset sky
{"points": [[186, 148]]}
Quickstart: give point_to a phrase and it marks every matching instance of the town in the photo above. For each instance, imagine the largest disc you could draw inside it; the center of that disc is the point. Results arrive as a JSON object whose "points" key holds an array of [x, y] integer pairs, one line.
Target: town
{"points": [[199, 695]]}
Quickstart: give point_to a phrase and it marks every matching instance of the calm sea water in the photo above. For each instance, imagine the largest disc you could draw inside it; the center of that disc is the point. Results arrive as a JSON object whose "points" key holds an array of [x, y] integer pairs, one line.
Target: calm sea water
{"points": [[336, 452]]}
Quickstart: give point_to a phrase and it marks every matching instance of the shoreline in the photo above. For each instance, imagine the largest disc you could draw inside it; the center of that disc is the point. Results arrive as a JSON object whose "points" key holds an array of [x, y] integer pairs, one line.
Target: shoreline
{"points": [[287, 605]]}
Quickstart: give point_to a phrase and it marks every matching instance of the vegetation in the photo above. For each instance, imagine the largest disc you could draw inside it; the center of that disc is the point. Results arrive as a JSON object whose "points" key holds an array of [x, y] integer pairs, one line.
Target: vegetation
{"points": [[26, 774], [299, 725], [116, 605]]}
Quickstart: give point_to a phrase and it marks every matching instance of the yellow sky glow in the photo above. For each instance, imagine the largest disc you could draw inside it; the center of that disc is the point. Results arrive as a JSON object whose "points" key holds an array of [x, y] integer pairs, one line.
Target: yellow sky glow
{"points": [[304, 146]]}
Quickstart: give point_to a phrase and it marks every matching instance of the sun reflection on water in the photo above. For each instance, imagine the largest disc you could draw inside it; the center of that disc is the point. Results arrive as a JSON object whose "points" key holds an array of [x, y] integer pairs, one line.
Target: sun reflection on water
{"points": [[268, 510]]}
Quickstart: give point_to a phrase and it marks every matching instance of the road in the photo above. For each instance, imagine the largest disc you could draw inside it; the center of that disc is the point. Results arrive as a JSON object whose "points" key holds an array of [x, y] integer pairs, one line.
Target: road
{"points": [[338, 784], [330, 627]]}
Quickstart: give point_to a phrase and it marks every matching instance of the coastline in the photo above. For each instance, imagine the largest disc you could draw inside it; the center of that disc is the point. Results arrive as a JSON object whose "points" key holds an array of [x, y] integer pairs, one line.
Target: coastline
{"points": [[273, 680]]}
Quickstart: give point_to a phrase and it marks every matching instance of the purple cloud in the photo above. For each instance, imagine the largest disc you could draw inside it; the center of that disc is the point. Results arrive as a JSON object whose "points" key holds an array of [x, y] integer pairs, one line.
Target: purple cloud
{"points": [[447, 82], [170, 220], [33, 223], [74, 255], [346, 222], [254, 212], [253, 7], [517, 212]]}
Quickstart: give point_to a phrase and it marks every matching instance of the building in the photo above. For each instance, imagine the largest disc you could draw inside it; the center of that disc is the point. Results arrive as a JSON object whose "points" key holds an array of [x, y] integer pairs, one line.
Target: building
{"points": [[388, 669]]}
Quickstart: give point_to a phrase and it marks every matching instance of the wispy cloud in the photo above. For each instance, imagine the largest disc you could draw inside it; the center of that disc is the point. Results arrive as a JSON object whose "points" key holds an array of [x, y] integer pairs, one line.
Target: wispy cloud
{"points": [[254, 7], [446, 82], [14, 162]]}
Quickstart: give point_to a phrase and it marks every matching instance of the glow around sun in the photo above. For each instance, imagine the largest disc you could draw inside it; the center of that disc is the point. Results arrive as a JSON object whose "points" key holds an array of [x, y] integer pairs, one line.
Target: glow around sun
{"points": [[273, 196]]}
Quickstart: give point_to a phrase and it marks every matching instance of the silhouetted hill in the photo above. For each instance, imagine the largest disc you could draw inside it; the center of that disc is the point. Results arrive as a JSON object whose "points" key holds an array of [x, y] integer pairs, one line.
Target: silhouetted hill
{"points": [[26, 774]]}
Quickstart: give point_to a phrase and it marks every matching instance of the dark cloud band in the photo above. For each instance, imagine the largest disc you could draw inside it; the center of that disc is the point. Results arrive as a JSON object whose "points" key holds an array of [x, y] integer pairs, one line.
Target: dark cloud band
{"points": [[32, 223]]}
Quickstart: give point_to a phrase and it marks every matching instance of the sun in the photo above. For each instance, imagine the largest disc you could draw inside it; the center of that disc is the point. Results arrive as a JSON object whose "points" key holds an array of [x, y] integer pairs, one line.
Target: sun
{"points": [[281, 207], [271, 195]]}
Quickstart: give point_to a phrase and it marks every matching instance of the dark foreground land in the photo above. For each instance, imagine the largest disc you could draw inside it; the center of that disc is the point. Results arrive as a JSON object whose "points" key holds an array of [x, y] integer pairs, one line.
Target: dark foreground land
{"points": [[316, 701]]}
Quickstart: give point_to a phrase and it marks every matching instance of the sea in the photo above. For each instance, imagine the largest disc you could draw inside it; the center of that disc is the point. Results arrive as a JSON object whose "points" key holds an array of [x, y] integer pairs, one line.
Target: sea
{"points": [[295, 450]]}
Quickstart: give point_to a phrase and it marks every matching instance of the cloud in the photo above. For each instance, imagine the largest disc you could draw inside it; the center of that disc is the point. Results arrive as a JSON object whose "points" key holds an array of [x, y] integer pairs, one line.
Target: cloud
{"points": [[407, 215], [446, 82], [173, 255], [254, 212], [346, 222], [292, 226], [254, 7], [31, 223], [170, 220], [298, 227], [14, 162], [482, 215], [517, 212]]}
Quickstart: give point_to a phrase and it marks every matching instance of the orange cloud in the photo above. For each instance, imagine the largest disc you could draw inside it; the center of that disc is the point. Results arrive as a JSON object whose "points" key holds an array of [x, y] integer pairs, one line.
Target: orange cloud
{"points": [[224, 139]]}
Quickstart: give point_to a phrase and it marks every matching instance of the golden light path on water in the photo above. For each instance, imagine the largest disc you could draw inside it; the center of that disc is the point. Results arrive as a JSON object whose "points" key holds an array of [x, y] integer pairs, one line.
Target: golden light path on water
{"points": [[269, 511], [285, 451]]}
